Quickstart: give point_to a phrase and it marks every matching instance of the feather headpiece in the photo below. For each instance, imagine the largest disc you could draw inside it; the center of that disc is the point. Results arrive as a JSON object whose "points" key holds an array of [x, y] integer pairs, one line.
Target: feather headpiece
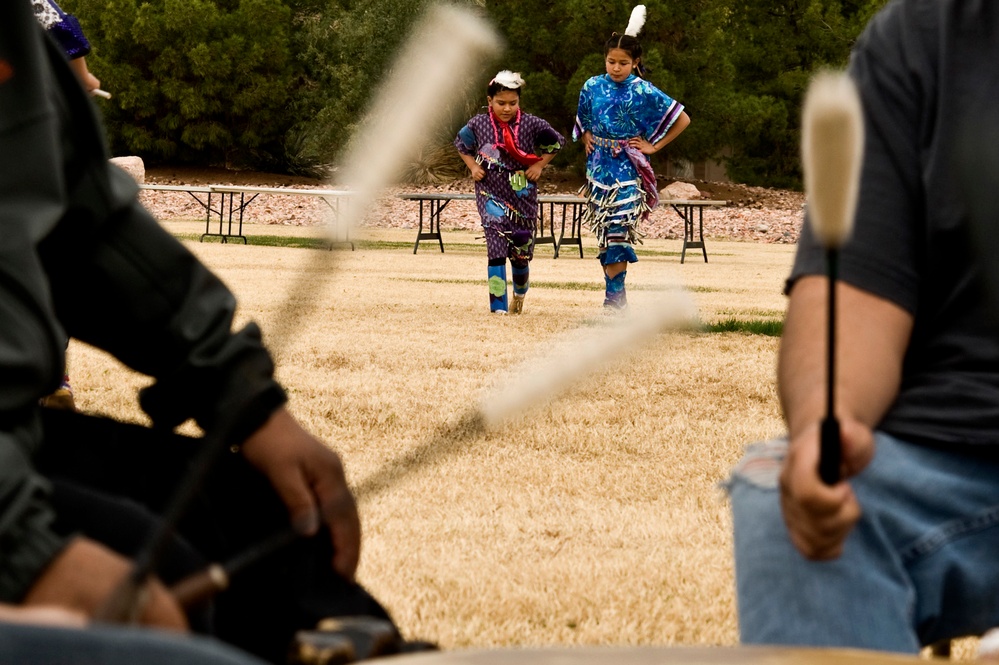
{"points": [[508, 79], [636, 22]]}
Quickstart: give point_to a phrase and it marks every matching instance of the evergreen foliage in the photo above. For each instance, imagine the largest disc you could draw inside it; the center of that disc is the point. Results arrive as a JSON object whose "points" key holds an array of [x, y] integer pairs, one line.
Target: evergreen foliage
{"points": [[281, 84]]}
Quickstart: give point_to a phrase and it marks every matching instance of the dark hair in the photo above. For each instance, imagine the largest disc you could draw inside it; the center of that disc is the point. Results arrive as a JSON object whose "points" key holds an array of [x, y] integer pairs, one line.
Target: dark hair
{"points": [[629, 45], [495, 87]]}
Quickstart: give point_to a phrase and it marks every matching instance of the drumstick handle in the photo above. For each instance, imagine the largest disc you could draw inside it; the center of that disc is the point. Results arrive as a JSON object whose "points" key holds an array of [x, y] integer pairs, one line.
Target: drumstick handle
{"points": [[195, 590], [831, 452]]}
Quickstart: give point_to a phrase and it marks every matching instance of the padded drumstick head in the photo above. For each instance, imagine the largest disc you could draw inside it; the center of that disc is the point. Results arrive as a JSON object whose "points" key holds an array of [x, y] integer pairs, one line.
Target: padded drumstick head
{"points": [[439, 60], [832, 146], [536, 381]]}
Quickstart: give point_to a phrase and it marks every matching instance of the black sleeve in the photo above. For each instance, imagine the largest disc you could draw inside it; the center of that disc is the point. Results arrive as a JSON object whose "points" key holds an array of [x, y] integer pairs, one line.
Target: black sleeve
{"points": [[78, 254], [890, 69], [123, 284]]}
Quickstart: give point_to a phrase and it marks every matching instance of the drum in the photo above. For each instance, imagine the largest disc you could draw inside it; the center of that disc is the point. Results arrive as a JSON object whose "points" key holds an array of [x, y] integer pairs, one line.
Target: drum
{"points": [[654, 656]]}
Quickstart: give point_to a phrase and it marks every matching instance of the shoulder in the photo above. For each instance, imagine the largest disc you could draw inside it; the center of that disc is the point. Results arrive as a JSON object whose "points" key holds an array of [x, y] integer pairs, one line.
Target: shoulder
{"points": [[644, 86], [531, 119], [478, 120], [905, 27], [908, 43], [594, 81]]}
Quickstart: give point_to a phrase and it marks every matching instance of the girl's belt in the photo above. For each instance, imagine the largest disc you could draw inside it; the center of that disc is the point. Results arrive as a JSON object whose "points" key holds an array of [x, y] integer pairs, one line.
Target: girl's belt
{"points": [[609, 143]]}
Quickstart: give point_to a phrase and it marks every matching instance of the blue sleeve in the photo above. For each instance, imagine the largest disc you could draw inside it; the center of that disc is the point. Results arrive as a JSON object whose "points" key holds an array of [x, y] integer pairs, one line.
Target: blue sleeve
{"points": [[465, 141], [546, 139], [660, 111]]}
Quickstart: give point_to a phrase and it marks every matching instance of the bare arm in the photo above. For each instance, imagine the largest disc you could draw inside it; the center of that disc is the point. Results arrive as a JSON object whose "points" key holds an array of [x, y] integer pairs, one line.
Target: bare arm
{"points": [[647, 148], [478, 173], [534, 170], [87, 80], [872, 336]]}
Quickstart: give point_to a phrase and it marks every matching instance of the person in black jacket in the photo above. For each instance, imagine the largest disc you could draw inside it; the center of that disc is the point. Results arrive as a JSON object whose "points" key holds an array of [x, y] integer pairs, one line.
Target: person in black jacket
{"points": [[80, 257]]}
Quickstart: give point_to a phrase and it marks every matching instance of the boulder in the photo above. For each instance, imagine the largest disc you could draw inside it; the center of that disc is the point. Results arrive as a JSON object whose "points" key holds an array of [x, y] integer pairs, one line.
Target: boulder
{"points": [[680, 190], [133, 166]]}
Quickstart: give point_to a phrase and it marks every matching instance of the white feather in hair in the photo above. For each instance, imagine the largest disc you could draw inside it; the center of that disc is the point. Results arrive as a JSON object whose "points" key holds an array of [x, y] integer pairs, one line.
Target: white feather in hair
{"points": [[636, 22], [508, 79]]}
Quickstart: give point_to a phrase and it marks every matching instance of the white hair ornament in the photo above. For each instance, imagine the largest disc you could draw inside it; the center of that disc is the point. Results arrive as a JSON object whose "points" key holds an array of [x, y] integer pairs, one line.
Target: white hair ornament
{"points": [[508, 79], [636, 21]]}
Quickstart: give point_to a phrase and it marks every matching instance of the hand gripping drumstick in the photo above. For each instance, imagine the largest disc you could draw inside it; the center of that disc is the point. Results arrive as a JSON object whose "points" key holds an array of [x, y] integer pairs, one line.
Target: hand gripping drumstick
{"points": [[832, 144], [194, 590]]}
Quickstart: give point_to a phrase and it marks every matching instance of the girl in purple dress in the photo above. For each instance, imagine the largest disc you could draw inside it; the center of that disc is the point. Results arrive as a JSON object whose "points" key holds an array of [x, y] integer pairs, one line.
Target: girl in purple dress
{"points": [[505, 151]]}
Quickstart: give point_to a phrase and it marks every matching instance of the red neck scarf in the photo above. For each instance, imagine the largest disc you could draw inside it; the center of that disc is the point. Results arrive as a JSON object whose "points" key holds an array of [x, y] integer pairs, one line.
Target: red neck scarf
{"points": [[509, 143]]}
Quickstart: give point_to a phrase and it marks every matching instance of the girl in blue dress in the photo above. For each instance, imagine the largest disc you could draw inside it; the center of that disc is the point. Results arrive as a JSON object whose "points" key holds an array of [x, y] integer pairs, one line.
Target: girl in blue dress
{"points": [[622, 119]]}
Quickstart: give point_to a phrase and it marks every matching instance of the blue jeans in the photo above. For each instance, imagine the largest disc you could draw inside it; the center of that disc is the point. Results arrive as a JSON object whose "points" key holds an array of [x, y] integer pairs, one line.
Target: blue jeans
{"points": [[107, 645], [922, 565]]}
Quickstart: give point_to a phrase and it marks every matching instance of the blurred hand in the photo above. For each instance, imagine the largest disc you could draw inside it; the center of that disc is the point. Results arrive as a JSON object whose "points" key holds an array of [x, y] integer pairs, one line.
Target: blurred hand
{"points": [[643, 146], [309, 478], [587, 140], [87, 80], [43, 615], [81, 578], [534, 171], [478, 173], [819, 517]]}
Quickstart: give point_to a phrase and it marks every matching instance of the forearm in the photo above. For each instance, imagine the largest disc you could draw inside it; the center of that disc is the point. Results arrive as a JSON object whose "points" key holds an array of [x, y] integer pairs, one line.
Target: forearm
{"points": [[27, 541], [469, 161], [872, 335], [125, 285]]}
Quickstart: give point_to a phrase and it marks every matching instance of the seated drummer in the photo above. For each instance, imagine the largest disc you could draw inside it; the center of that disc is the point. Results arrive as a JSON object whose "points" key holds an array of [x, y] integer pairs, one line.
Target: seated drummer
{"points": [[904, 551]]}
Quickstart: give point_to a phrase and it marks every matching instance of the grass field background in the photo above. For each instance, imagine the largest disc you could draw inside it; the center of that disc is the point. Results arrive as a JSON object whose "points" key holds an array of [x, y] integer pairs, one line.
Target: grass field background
{"points": [[595, 518]]}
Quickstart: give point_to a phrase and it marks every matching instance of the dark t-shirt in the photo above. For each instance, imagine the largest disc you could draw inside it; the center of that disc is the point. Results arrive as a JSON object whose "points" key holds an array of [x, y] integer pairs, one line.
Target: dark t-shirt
{"points": [[927, 70]]}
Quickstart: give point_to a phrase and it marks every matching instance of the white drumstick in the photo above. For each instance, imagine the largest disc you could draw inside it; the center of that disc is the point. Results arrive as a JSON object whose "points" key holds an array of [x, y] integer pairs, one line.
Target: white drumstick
{"points": [[442, 57], [536, 381], [437, 64], [97, 92], [832, 147]]}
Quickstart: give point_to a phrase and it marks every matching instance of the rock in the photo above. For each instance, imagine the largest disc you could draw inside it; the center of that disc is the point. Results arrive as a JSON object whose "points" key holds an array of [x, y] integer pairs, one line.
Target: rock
{"points": [[133, 166], [680, 190]]}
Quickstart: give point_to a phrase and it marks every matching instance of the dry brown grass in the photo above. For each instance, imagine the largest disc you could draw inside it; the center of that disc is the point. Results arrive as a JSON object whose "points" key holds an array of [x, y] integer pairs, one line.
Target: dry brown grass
{"points": [[595, 519]]}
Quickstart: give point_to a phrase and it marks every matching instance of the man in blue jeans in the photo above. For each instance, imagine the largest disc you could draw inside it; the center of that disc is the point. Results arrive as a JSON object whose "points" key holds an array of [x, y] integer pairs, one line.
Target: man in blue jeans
{"points": [[904, 551]]}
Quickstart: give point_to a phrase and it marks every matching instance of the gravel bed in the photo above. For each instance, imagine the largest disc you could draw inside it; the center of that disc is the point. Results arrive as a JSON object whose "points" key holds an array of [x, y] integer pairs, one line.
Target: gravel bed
{"points": [[753, 214]]}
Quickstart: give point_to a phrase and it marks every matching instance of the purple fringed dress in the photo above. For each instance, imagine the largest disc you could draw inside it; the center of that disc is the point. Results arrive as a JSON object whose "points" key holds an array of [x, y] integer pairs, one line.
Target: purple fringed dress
{"points": [[507, 202]]}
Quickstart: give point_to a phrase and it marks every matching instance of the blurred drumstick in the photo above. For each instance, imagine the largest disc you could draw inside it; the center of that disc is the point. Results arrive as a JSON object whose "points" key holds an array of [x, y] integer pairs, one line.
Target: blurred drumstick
{"points": [[537, 382], [196, 589], [534, 383], [97, 92], [437, 62], [832, 145]]}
